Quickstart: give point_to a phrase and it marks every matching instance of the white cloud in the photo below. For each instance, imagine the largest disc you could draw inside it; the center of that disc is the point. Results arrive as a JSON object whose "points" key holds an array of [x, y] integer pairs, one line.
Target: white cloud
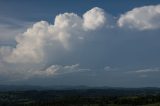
{"points": [[142, 18], [94, 18], [67, 28], [68, 21], [30, 44]]}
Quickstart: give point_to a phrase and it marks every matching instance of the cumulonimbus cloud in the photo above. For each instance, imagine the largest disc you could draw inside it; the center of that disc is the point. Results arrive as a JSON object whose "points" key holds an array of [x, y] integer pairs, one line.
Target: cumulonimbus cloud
{"points": [[68, 27], [32, 44], [44, 41]]}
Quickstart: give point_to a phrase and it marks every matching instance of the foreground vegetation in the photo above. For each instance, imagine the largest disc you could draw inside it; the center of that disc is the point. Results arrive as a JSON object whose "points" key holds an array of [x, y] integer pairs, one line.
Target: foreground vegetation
{"points": [[91, 97]]}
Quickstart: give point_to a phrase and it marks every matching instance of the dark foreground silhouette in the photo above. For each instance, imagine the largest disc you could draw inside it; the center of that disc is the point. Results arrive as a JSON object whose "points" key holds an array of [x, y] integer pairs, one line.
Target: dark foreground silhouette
{"points": [[82, 97]]}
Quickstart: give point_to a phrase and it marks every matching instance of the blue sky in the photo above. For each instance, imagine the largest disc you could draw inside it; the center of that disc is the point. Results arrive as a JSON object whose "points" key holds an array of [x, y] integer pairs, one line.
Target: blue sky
{"points": [[82, 42], [47, 9]]}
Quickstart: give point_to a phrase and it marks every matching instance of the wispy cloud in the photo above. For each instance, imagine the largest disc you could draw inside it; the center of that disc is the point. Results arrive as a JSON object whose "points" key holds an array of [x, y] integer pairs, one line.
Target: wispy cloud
{"points": [[148, 70]]}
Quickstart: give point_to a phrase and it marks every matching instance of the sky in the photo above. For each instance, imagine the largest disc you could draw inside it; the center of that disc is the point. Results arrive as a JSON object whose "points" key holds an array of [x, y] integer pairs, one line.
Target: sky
{"points": [[80, 42]]}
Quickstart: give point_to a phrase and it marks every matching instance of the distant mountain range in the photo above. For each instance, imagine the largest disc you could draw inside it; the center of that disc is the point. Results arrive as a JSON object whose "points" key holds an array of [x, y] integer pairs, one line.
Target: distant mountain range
{"points": [[31, 87]]}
